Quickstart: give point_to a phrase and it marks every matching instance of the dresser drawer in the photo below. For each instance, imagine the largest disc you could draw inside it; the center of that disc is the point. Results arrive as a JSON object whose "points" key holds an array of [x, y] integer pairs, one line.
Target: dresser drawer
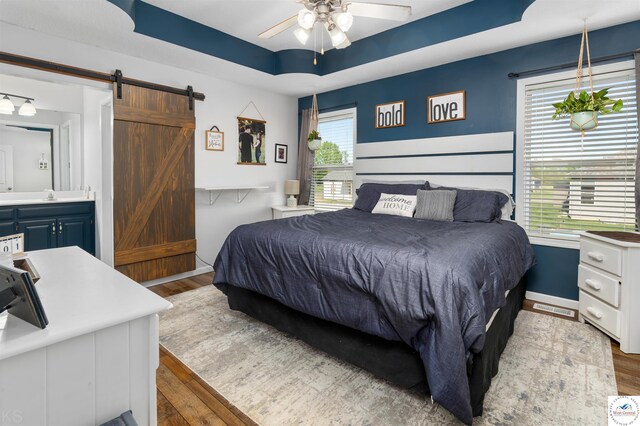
{"points": [[600, 285], [600, 313], [601, 255]]}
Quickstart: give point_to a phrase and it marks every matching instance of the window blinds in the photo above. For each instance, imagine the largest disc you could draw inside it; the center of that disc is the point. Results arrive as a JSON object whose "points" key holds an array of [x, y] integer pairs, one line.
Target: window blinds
{"points": [[332, 178], [572, 183]]}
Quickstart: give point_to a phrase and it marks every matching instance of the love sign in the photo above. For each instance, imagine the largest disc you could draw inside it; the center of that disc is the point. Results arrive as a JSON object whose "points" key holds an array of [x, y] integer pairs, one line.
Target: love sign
{"points": [[446, 107]]}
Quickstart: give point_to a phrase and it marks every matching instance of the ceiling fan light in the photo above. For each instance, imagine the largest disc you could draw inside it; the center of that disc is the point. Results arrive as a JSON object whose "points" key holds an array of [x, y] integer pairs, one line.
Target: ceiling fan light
{"points": [[306, 19], [6, 106], [343, 20], [337, 35], [27, 109], [302, 35], [345, 43]]}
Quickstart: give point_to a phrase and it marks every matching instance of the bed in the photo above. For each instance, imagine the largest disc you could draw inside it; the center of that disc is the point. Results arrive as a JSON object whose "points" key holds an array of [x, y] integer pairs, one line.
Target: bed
{"points": [[414, 301]]}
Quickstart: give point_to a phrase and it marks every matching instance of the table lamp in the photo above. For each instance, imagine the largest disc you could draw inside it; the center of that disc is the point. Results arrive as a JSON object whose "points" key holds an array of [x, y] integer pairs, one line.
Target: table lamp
{"points": [[292, 188]]}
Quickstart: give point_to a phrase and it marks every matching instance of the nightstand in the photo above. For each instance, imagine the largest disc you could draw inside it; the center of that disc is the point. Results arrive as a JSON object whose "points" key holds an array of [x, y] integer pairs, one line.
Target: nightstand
{"points": [[609, 281], [280, 212]]}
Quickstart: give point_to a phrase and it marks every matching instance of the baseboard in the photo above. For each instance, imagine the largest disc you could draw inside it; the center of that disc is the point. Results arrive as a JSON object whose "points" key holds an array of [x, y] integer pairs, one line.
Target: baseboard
{"points": [[197, 271], [552, 300]]}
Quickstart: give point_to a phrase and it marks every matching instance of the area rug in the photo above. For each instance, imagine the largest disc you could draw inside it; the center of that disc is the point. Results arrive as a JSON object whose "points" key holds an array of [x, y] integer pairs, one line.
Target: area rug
{"points": [[553, 371]]}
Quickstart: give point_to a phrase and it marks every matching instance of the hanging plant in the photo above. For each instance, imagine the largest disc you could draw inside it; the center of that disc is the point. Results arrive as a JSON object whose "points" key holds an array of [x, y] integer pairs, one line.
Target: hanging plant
{"points": [[314, 140], [585, 108]]}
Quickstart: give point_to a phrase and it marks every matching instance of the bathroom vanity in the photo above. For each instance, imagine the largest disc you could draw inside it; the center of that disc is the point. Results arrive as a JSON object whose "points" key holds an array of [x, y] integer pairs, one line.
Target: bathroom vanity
{"points": [[49, 224]]}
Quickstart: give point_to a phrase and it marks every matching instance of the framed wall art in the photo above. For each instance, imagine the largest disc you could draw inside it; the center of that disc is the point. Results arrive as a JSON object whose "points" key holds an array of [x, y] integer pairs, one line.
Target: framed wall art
{"points": [[214, 139], [282, 152], [390, 115], [446, 107], [251, 141]]}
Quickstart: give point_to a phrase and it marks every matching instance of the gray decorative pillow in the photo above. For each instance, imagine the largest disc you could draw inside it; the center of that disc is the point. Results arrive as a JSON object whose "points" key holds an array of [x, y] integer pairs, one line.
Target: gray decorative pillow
{"points": [[435, 205]]}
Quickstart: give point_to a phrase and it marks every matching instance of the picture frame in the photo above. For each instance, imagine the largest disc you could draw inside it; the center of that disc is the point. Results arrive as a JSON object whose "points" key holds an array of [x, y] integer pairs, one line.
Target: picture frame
{"points": [[282, 153], [390, 114], [214, 140], [444, 107], [251, 142]]}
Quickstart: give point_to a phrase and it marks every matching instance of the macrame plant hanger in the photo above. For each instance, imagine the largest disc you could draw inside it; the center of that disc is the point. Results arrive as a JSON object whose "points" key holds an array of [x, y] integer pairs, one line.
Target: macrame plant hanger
{"points": [[314, 109], [313, 123], [579, 74]]}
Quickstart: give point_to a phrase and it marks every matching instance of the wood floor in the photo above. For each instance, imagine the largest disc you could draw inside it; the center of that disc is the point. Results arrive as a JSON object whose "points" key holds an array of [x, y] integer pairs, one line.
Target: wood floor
{"points": [[186, 399], [183, 397]]}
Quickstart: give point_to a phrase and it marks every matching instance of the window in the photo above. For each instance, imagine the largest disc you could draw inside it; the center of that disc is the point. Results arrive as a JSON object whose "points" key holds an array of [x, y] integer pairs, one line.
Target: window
{"points": [[567, 183], [588, 194], [332, 180]]}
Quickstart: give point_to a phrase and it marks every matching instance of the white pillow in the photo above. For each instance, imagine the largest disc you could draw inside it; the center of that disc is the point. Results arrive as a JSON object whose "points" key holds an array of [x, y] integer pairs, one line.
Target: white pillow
{"points": [[395, 204]]}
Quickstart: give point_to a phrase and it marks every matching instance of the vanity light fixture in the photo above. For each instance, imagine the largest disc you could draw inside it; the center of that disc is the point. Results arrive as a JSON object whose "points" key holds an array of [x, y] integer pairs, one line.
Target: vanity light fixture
{"points": [[7, 107]]}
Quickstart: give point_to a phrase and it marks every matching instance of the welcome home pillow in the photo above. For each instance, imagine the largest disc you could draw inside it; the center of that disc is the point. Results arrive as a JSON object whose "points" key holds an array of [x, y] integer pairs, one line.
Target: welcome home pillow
{"points": [[395, 204], [369, 193]]}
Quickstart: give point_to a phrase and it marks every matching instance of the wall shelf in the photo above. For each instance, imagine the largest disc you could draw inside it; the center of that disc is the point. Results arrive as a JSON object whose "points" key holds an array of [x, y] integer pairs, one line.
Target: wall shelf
{"points": [[216, 191]]}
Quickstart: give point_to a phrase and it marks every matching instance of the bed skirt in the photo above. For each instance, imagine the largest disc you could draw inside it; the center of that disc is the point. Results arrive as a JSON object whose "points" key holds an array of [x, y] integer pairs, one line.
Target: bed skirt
{"points": [[393, 361]]}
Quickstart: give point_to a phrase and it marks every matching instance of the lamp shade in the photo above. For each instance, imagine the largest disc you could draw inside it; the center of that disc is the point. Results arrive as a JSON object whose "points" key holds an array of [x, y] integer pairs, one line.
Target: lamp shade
{"points": [[345, 43], [27, 109], [306, 19], [302, 35], [6, 106], [343, 20], [337, 35], [292, 187]]}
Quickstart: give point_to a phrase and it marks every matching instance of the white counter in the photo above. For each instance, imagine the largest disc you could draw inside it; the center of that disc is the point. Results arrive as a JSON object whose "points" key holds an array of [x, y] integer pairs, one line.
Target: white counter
{"points": [[98, 355], [26, 198], [42, 201]]}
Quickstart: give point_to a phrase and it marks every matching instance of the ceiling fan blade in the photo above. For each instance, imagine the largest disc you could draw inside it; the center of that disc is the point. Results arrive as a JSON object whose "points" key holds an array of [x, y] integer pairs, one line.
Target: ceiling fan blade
{"points": [[278, 28], [380, 11]]}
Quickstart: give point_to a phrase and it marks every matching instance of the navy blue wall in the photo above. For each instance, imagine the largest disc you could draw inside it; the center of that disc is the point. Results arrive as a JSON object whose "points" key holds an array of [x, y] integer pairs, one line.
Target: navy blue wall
{"points": [[491, 107]]}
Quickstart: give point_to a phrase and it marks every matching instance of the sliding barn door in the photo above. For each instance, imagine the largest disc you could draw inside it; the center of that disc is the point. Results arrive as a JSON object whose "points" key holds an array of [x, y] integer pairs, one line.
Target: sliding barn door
{"points": [[153, 177]]}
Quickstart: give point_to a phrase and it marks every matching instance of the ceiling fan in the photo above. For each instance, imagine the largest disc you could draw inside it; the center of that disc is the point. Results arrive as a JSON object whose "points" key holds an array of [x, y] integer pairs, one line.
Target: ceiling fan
{"points": [[337, 18]]}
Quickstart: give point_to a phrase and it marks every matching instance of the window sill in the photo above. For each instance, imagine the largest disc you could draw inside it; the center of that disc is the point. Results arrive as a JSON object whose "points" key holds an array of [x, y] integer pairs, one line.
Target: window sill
{"points": [[555, 242]]}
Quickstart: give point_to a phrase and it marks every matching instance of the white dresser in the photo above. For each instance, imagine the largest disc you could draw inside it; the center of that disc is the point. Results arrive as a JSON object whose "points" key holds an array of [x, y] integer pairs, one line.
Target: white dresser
{"points": [[97, 357], [609, 281], [280, 212]]}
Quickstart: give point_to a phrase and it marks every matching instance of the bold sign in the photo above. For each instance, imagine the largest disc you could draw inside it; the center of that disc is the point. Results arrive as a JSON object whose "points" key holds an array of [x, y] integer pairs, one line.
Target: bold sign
{"points": [[390, 115], [446, 107]]}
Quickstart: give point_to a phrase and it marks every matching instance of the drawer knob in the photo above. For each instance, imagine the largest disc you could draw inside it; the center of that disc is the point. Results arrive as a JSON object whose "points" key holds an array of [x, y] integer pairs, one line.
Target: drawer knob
{"points": [[593, 284], [594, 312], [598, 257]]}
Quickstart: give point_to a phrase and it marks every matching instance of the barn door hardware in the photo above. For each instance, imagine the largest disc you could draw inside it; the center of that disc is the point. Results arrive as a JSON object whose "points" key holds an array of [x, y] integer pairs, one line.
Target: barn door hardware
{"points": [[118, 78], [190, 95]]}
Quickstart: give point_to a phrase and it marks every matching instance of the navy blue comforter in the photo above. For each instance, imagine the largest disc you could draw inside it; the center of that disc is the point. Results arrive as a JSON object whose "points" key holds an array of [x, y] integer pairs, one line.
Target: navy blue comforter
{"points": [[433, 285]]}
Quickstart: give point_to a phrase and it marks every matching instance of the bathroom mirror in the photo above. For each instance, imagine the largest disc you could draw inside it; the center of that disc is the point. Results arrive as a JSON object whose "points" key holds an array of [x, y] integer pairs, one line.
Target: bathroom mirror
{"points": [[42, 147], [40, 152]]}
